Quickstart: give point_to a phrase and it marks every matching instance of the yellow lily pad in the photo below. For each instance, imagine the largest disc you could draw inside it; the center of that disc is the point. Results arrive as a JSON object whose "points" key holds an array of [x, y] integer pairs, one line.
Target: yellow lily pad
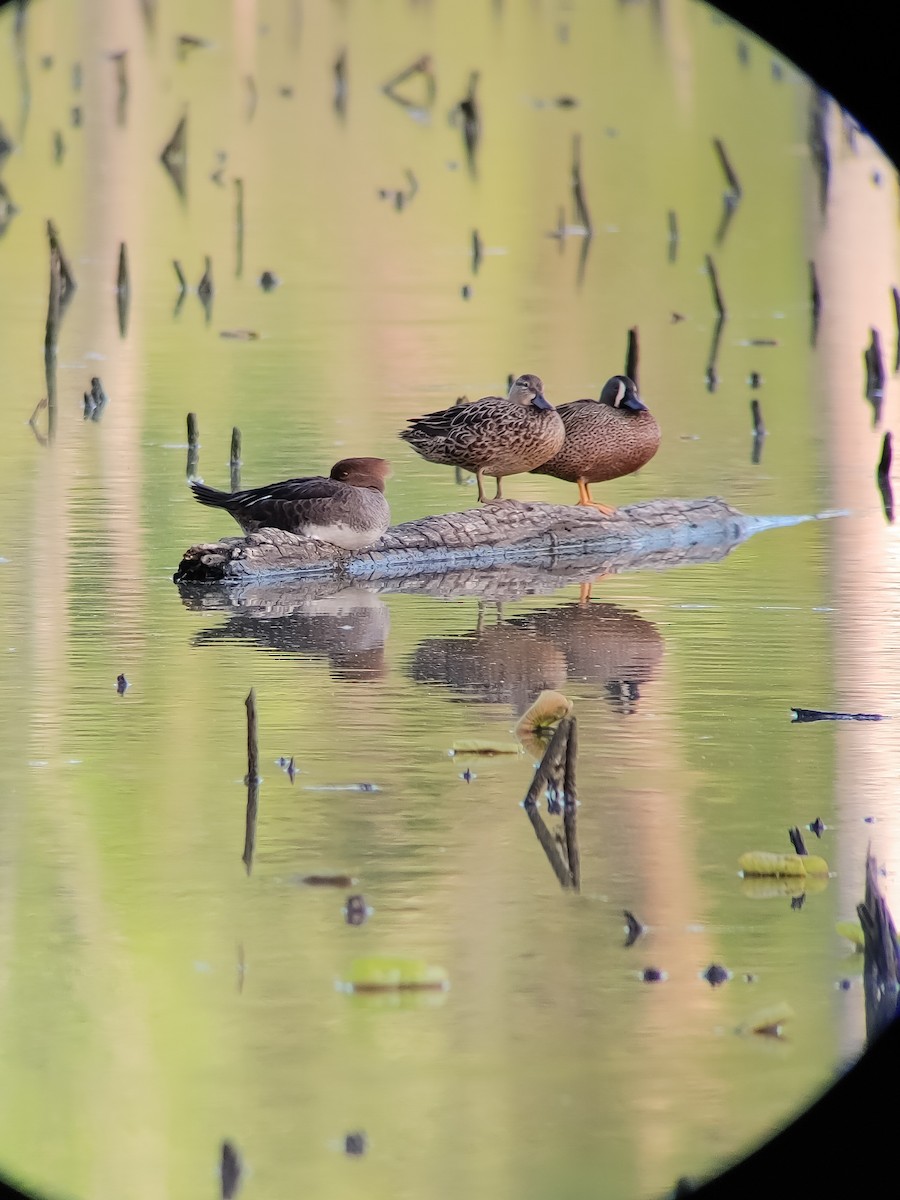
{"points": [[548, 710], [477, 746], [390, 973], [764, 863], [769, 887]]}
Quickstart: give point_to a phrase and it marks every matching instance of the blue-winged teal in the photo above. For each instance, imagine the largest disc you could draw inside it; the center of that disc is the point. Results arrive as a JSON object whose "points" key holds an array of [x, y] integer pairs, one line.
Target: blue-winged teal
{"points": [[497, 435], [605, 439]]}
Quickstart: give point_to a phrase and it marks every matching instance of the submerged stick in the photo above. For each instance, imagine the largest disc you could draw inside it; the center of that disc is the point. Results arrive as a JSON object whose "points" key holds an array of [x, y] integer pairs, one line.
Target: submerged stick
{"points": [[734, 184], [547, 776], [252, 780], [193, 436], [875, 374], [230, 1167], [815, 302], [123, 290], [759, 432], [883, 478], [239, 227], [581, 209], [673, 235], [570, 802], [716, 290], [206, 289], [896, 296], [51, 335], [631, 356], [340, 83], [120, 58], [67, 282], [235, 460], [174, 156], [881, 970], [476, 251], [887, 454]]}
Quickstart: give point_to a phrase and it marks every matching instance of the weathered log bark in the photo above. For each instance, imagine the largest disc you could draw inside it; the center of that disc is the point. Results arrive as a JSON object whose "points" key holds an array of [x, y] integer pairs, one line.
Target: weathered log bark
{"points": [[562, 539]]}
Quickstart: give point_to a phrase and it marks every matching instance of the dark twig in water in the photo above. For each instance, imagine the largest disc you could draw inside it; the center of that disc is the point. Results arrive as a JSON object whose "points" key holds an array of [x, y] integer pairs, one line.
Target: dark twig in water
{"points": [[582, 213], [673, 235], [883, 477], [340, 83], [174, 156], [67, 284], [32, 421], [733, 193], [123, 290], [230, 1170], [797, 841], [59, 146], [476, 251], [469, 112], [120, 58], [183, 287], [632, 354], [95, 401], [896, 298], [557, 768], [7, 208], [881, 970], [803, 715], [570, 803], [818, 142], [713, 274], [875, 375], [51, 337], [759, 432], [422, 66], [235, 464], [252, 780], [193, 454], [206, 289], [633, 927], [238, 227], [815, 303], [252, 96]]}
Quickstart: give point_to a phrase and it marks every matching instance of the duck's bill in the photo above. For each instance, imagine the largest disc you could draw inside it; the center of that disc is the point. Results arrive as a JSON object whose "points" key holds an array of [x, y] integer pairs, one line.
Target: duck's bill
{"points": [[634, 402], [540, 402]]}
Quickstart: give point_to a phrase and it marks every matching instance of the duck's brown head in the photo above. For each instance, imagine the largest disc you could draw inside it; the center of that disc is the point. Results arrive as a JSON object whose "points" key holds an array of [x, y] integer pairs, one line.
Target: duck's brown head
{"points": [[362, 472], [528, 389], [621, 392]]}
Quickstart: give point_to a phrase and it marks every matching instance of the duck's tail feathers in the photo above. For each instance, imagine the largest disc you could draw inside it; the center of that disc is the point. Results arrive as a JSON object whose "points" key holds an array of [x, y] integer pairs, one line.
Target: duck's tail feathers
{"points": [[211, 496]]}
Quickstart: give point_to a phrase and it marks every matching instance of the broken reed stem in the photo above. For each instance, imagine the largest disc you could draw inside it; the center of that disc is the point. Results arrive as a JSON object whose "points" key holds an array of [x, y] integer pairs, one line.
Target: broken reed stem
{"points": [[340, 83], [716, 290], [631, 356], [476, 251], [896, 295], [51, 335], [570, 802], [252, 736], [759, 428], [548, 845], [887, 455], [235, 447], [239, 226], [734, 184], [815, 301], [673, 235], [193, 431], [67, 279], [581, 208], [182, 280], [122, 283]]}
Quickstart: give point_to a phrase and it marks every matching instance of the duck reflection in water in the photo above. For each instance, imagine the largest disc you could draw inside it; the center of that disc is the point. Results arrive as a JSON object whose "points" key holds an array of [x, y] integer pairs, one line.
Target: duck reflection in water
{"points": [[511, 661], [348, 628]]}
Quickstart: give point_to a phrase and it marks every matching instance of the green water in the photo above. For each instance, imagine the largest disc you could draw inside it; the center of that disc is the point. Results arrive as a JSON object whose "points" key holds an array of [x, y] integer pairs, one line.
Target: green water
{"points": [[155, 997]]}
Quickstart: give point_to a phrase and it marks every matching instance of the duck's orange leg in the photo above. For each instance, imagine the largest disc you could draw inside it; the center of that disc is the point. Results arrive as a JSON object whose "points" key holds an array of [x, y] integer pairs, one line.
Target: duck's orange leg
{"points": [[480, 481], [584, 498]]}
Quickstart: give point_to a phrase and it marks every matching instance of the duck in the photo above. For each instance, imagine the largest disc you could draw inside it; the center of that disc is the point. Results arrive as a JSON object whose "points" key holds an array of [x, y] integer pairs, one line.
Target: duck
{"points": [[605, 439], [496, 435], [347, 510]]}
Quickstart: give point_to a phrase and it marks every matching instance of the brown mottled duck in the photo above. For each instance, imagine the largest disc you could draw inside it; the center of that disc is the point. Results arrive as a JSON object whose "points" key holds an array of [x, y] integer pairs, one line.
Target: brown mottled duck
{"points": [[605, 439], [497, 435], [347, 510]]}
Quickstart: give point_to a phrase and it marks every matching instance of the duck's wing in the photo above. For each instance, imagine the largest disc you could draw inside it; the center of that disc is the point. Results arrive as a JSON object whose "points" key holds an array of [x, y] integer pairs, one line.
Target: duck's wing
{"points": [[449, 420], [289, 497]]}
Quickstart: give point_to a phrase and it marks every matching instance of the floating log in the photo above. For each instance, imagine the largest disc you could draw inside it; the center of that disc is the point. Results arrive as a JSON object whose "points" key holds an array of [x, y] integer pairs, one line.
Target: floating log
{"points": [[494, 535]]}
